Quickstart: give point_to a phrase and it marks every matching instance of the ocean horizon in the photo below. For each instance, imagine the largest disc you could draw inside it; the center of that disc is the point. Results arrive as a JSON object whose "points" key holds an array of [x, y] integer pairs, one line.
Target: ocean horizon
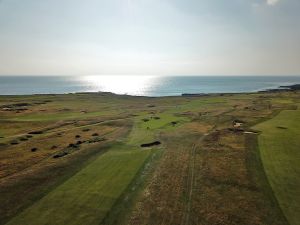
{"points": [[141, 85]]}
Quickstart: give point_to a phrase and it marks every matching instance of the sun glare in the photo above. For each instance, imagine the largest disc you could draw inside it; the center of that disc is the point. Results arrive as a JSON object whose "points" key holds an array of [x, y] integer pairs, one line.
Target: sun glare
{"points": [[120, 84]]}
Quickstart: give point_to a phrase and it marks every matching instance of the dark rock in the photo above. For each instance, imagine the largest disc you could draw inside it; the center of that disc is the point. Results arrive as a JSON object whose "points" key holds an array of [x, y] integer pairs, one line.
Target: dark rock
{"points": [[193, 95], [293, 87]]}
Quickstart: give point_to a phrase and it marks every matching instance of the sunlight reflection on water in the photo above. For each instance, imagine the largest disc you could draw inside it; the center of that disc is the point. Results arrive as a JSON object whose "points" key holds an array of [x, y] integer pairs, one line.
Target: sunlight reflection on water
{"points": [[134, 85], [140, 85]]}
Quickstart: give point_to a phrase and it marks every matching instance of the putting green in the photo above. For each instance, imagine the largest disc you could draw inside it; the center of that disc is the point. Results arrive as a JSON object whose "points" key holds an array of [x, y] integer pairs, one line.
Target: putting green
{"points": [[279, 145]]}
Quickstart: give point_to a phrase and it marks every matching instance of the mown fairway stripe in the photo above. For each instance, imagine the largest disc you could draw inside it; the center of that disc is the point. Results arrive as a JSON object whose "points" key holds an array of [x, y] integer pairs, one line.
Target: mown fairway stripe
{"points": [[87, 196], [279, 146]]}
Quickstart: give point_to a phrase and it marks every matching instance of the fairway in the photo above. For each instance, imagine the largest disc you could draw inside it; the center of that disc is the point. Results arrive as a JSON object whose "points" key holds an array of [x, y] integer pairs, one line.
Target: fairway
{"points": [[279, 145], [89, 195]]}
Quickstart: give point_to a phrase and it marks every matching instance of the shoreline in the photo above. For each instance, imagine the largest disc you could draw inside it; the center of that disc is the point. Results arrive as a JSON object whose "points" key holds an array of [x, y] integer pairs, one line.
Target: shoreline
{"points": [[281, 88]]}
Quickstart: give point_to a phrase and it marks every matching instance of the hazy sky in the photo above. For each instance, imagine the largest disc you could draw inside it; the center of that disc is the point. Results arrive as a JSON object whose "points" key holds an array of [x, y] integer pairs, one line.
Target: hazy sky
{"points": [[154, 37]]}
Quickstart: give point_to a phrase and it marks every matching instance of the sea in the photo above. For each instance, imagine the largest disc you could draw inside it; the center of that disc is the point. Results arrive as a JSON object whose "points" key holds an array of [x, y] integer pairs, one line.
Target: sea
{"points": [[141, 85]]}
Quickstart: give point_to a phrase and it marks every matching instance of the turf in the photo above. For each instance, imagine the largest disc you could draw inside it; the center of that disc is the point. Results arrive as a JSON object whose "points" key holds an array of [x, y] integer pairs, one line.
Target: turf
{"points": [[89, 194], [105, 183], [279, 145]]}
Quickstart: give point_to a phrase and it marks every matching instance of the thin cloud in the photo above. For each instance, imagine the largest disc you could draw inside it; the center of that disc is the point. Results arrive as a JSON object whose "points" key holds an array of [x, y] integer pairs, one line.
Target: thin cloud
{"points": [[272, 2]]}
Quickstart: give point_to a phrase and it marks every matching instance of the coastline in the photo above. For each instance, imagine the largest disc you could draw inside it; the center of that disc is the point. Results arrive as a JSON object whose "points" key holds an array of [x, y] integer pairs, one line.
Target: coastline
{"points": [[142, 86], [280, 88]]}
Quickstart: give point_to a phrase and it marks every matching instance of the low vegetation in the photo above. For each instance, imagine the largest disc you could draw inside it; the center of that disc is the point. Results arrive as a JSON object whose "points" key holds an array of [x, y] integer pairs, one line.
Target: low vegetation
{"points": [[107, 159]]}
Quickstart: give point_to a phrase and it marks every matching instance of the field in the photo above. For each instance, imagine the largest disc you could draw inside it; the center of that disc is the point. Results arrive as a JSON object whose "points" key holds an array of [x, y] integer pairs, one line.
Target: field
{"points": [[279, 146], [90, 193], [100, 158]]}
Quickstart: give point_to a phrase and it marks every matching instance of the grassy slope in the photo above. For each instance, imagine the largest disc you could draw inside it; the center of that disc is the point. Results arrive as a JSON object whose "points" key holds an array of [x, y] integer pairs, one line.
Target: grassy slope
{"points": [[281, 157]]}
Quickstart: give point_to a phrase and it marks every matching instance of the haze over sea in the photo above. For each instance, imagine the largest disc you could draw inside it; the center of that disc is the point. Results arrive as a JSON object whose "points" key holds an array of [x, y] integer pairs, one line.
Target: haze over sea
{"points": [[141, 85]]}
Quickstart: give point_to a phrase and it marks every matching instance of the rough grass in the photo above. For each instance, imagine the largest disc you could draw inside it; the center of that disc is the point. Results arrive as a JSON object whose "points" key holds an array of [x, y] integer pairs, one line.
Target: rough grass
{"points": [[281, 158], [195, 182], [220, 183], [16, 158], [58, 116], [164, 198], [95, 189], [26, 186]]}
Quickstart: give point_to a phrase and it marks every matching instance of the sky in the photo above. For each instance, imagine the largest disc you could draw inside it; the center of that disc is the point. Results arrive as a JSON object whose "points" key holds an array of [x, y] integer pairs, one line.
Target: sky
{"points": [[150, 37]]}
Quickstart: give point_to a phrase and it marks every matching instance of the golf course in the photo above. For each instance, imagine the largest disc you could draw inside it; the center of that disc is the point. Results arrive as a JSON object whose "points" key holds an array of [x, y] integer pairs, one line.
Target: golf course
{"points": [[102, 158]]}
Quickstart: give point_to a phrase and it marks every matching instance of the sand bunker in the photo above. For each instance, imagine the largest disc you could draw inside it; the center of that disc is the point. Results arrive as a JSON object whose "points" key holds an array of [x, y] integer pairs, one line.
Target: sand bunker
{"points": [[150, 144]]}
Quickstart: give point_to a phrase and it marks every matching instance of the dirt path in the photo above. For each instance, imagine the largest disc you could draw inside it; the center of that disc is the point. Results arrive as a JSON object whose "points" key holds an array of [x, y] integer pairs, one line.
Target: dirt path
{"points": [[191, 179]]}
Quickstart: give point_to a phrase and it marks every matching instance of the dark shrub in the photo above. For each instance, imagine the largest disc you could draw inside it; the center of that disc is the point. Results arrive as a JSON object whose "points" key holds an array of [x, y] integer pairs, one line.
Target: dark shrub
{"points": [[23, 139], [36, 132], [61, 154], [72, 145]]}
